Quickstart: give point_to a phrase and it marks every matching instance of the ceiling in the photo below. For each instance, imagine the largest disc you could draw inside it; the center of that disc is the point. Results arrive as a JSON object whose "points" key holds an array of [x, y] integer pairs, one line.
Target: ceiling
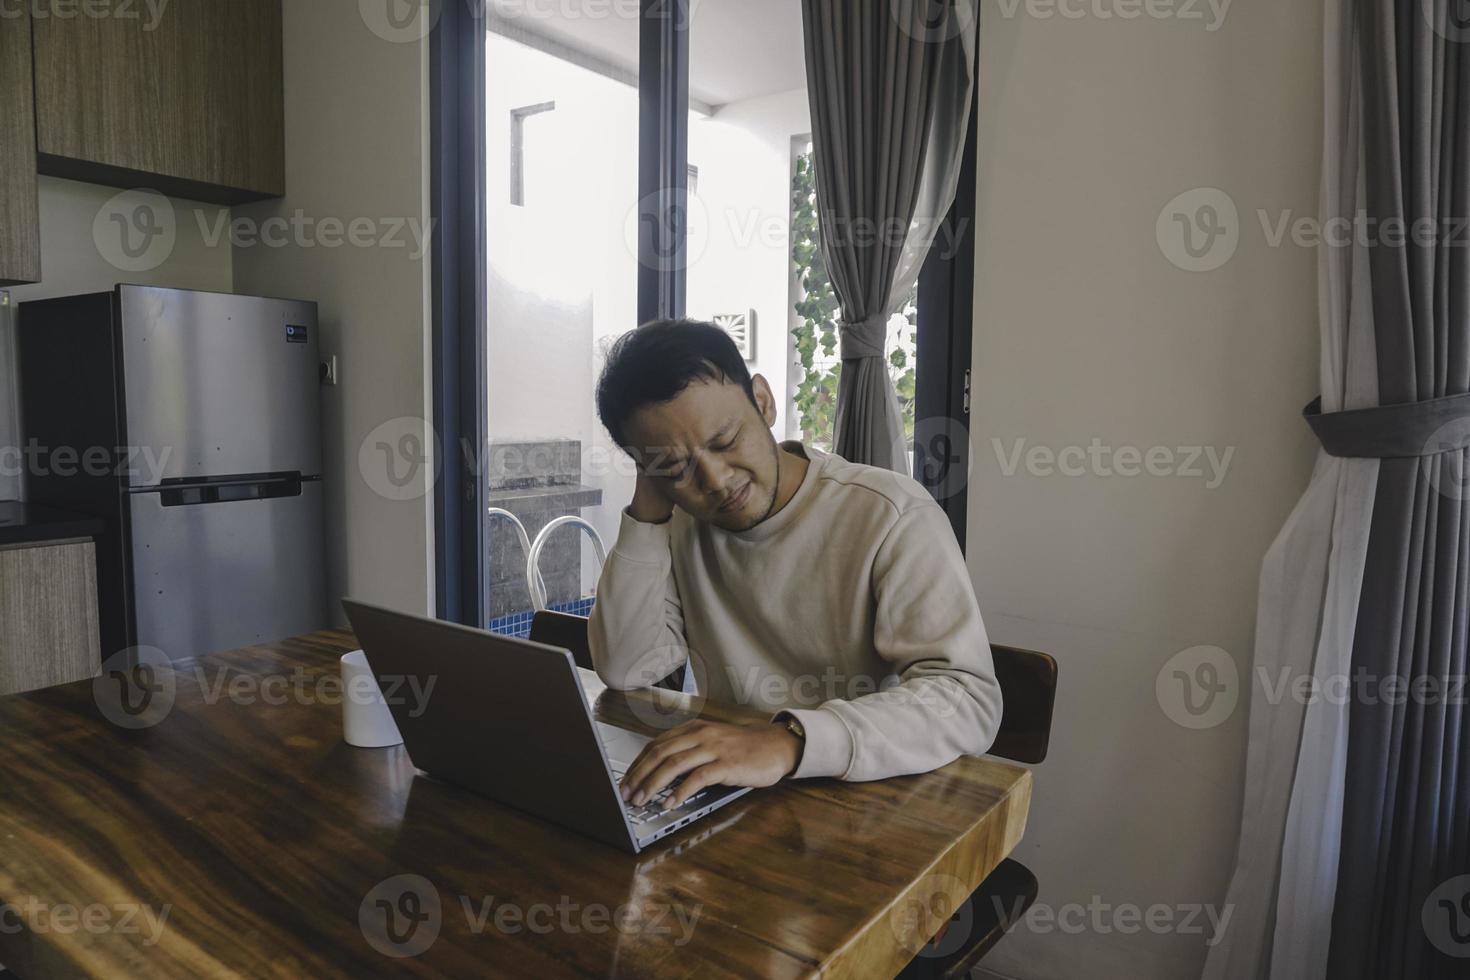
{"points": [[738, 49]]}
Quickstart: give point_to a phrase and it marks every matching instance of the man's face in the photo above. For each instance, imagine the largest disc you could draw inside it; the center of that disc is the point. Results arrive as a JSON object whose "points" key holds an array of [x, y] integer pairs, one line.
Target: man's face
{"points": [[710, 451]]}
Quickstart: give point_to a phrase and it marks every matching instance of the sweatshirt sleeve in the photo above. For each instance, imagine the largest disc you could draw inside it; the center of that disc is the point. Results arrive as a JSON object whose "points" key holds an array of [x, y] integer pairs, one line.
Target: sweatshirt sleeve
{"points": [[636, 633], [927, 626]]}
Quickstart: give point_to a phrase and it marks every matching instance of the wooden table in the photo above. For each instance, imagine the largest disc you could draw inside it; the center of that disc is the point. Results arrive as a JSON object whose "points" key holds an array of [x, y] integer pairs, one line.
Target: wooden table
{"points": [[267, 841]]}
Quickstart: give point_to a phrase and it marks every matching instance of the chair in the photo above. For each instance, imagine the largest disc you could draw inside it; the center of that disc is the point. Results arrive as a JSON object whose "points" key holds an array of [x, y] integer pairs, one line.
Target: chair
{"points": [[565, 630], [1028, 685]]}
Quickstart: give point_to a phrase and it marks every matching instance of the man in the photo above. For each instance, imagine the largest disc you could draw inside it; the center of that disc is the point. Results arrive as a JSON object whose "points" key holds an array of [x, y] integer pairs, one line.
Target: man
{"points": [[831, 593]]}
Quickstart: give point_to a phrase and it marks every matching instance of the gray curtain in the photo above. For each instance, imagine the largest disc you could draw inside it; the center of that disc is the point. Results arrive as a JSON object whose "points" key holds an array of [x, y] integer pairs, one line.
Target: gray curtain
{"points": [[884, 79], [1283, 888], [1354, 855], [1406, 812]]}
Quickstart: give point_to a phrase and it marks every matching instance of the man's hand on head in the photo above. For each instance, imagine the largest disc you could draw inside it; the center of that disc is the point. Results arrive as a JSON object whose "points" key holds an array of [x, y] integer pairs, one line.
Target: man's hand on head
{"points": [[650, 504], [710, 753]]}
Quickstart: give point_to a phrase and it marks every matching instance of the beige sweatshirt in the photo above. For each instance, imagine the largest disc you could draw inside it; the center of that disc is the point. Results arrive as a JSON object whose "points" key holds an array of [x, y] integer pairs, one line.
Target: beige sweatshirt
{"points": [[850, 609]]}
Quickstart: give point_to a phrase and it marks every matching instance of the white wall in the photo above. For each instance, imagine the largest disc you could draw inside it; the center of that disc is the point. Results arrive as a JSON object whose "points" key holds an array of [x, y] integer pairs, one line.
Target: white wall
{"points": [[73, 262], [562, 276], [356, 150], [1085, 330], [743, 261]]}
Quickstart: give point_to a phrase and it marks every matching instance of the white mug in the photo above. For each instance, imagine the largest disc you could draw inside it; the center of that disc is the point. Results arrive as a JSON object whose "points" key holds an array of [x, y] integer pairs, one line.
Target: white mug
{"points": [[366, 721]]}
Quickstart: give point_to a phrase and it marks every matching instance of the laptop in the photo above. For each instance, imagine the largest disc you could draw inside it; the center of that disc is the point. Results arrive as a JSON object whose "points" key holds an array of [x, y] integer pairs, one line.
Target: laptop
{"points": [[507, 718]]}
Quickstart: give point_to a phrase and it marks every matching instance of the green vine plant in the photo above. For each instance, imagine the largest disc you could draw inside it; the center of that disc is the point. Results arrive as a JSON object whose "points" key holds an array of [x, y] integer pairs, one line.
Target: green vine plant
{"points": [[818, 312]]}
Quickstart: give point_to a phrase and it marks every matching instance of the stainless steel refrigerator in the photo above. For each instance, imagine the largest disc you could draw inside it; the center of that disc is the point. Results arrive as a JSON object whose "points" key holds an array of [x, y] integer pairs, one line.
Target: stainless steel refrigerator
{"points": [[190, 423]]}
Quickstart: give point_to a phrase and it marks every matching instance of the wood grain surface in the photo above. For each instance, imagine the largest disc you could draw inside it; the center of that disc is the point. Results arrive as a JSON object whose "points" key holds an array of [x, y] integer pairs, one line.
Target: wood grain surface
{"points": [[20, 216], [277, 850], [48, 615], [189, 92]]}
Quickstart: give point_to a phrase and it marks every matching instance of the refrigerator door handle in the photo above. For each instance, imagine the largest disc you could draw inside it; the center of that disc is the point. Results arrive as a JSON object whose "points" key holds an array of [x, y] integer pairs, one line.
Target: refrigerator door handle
{"points": [[229, 490]]}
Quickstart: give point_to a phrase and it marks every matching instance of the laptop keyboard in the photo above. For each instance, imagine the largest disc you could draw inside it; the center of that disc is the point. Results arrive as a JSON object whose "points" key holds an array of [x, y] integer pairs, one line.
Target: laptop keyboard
{"points": [[653, 809]]}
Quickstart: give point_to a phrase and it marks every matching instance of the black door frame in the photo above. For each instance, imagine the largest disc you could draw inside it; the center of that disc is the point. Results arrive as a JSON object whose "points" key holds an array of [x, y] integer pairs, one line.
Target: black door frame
{"points": [[458, 210], [944, 346], [663, 157], [458, 300]]}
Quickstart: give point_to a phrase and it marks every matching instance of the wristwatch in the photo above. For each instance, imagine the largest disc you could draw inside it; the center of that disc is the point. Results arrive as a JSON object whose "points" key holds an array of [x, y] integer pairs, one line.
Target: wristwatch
{"points": [[796, 728]]}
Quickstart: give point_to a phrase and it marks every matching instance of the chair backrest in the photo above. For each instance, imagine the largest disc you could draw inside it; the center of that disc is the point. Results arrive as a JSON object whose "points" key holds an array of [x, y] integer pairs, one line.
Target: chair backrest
{"points": [[1028, 683], [563, 630]]}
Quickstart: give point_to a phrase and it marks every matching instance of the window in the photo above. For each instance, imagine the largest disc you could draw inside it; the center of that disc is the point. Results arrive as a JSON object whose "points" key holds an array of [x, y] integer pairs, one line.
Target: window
{"points": [[814, 316], [562, 136]]}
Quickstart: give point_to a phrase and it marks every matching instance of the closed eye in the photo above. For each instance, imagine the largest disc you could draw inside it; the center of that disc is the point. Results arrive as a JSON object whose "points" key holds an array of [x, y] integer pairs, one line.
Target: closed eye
{"points": [[729, 442], [680, 469]]}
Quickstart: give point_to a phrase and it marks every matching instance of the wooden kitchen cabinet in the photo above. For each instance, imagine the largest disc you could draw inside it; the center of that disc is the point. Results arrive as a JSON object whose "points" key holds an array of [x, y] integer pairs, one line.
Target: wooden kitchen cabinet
{"points": [[192, 108], [20, 218], [48, 615]]}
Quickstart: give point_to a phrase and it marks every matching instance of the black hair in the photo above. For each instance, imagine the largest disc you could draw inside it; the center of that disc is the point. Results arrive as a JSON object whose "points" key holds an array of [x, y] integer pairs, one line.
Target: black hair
{"points": [[654, 363]]}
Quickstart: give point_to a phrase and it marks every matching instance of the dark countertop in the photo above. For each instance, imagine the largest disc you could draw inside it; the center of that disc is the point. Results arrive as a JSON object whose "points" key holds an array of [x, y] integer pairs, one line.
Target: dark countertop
{"points": [[35, 524]]}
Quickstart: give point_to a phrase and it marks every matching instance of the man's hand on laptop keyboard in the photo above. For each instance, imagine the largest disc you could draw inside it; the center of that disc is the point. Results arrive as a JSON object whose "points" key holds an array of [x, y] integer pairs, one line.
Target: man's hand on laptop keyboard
{"points": [[710, 753]]}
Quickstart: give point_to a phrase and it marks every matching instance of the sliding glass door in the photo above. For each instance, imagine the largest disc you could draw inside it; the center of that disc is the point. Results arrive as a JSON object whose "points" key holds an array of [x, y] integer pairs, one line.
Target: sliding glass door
{"points": [[562, 133], [648, 158]]}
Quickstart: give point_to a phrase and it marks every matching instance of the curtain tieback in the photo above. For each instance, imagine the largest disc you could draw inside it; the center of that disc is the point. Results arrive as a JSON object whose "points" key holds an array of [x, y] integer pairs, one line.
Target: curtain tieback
{"points": [[863, 338], [1410, 429]]}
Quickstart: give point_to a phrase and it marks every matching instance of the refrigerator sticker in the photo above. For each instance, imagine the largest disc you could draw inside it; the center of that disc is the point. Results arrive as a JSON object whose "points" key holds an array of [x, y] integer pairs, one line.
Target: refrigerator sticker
{"points": [[295, 334]]}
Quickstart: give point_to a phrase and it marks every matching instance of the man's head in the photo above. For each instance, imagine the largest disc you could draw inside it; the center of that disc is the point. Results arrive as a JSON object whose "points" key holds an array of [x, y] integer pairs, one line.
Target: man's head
{"points": [[676, 394]]}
